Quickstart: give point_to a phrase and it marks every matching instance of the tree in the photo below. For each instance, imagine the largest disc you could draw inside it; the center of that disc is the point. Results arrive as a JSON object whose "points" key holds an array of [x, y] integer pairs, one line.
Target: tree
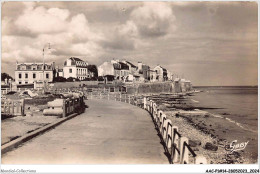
{"points": [[110, 77], [5, 76], [93, 69], [86, 79], [100, 78], [94, 78], [72, 79], [59, 79]]}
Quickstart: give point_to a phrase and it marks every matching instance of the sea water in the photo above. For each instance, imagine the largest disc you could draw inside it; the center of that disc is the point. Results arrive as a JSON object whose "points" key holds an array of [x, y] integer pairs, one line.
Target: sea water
{"points": [[238, 108], [239, 104]]}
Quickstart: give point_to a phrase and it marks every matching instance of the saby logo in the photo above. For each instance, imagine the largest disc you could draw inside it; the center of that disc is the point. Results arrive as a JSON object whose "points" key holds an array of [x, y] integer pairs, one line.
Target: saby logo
{"points": [[236, 147]]}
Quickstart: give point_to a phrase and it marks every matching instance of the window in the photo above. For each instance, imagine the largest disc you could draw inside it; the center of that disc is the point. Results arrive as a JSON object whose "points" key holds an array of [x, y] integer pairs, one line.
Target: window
{"points": [[20, 75], [20, 82], [70, 70], [23, 67], [26, 75], [26, 82], [34, 75], [47, 76]]}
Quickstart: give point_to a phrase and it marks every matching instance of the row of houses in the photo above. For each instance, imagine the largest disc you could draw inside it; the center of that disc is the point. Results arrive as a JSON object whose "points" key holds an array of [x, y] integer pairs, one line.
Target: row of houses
{"points": [[128, 72], [29, 73]]}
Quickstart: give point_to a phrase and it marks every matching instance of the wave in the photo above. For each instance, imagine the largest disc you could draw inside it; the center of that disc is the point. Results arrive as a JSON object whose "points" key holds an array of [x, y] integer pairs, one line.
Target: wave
{"points": [[233, 121], [195, 101]]}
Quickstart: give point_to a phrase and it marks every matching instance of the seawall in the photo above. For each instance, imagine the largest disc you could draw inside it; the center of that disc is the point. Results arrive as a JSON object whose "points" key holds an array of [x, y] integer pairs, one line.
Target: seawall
{"points": [[156, 87]]}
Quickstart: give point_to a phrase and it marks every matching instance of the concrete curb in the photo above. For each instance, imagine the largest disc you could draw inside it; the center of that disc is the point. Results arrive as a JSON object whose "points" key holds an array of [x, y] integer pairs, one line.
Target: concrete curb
{"points": [[15, 143]]}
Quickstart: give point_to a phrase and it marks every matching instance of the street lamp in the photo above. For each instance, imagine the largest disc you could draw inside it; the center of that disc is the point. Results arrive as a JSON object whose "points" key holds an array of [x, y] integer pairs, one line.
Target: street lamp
{"points": [[48, 45]]}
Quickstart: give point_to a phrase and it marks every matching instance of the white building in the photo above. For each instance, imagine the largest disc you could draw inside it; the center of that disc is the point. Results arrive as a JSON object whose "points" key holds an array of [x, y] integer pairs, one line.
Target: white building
{"points": [[28, 73], [161, 73], [76, 68], [169, 75], [106, 68]]}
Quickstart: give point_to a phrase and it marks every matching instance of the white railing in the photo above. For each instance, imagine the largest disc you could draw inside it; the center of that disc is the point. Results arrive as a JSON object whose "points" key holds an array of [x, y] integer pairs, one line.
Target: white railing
{"points": [[176, 145]]}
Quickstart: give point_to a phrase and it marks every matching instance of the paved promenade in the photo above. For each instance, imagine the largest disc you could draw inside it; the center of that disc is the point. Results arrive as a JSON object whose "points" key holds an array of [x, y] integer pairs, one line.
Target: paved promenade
{"points": [[109, 132]]}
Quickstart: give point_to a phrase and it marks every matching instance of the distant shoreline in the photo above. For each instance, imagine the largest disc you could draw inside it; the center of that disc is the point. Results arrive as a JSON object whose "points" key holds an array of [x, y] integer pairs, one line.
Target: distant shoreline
{"points": [[225, 86]]}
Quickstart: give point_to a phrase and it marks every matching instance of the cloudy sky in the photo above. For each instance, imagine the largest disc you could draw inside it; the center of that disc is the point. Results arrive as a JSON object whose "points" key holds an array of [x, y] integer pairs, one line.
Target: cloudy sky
{"points": [[210, 43]]}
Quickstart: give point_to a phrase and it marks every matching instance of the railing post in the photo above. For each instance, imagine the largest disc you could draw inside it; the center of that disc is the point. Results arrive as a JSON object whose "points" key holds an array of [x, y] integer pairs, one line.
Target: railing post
{"points": [[64, 108], [151, 107], [145, 100], [148, 105], [120, 96], [129, 101], [163, 118], [169, 133], [22, 109], [73, 104], [154, 110], [184, 151], [165, 130], [157, 118], [8, 104], [13, 107], [176, 144]]}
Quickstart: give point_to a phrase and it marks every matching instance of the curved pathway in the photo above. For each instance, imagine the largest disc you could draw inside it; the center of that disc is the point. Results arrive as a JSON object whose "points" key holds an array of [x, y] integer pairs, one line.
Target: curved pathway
{"points": [[109, 132]]}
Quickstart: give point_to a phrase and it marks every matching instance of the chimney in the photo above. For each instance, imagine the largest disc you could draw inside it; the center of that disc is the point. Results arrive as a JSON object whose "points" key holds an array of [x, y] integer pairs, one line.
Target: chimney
{"points": [[16, 65], [140, 64], [53, 65]]}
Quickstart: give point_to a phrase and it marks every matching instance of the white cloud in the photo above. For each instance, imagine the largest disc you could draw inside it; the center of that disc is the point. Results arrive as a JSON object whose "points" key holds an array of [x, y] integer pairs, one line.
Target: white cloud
{"points": [[40, 20], [153, 19], [129, 28], [68, 35]]}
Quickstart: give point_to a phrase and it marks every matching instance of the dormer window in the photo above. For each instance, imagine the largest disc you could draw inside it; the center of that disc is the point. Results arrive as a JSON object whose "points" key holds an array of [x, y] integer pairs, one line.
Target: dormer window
{"points": [[23, 67]]}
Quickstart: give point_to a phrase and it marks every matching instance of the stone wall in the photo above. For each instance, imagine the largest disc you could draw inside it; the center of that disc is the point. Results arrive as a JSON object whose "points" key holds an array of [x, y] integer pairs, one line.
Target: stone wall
{"points": [[142, 88]]}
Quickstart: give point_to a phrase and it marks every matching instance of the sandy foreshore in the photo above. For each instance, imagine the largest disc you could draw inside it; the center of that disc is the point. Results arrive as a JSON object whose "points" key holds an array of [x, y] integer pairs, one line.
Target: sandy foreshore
{"points": [[207, 133]]}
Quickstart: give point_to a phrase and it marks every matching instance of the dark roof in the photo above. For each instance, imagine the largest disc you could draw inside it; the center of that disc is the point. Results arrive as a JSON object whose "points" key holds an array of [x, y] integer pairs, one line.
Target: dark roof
{"points": [[163, 68], [132, 65], [116, 66], [124, 66], [76, 59]]}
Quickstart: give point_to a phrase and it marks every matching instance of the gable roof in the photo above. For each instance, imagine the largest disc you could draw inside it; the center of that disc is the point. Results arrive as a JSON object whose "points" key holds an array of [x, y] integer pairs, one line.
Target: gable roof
{"points": [[116, 66], [76, 59], [162, 68], [132, 65], [124, 66]]}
